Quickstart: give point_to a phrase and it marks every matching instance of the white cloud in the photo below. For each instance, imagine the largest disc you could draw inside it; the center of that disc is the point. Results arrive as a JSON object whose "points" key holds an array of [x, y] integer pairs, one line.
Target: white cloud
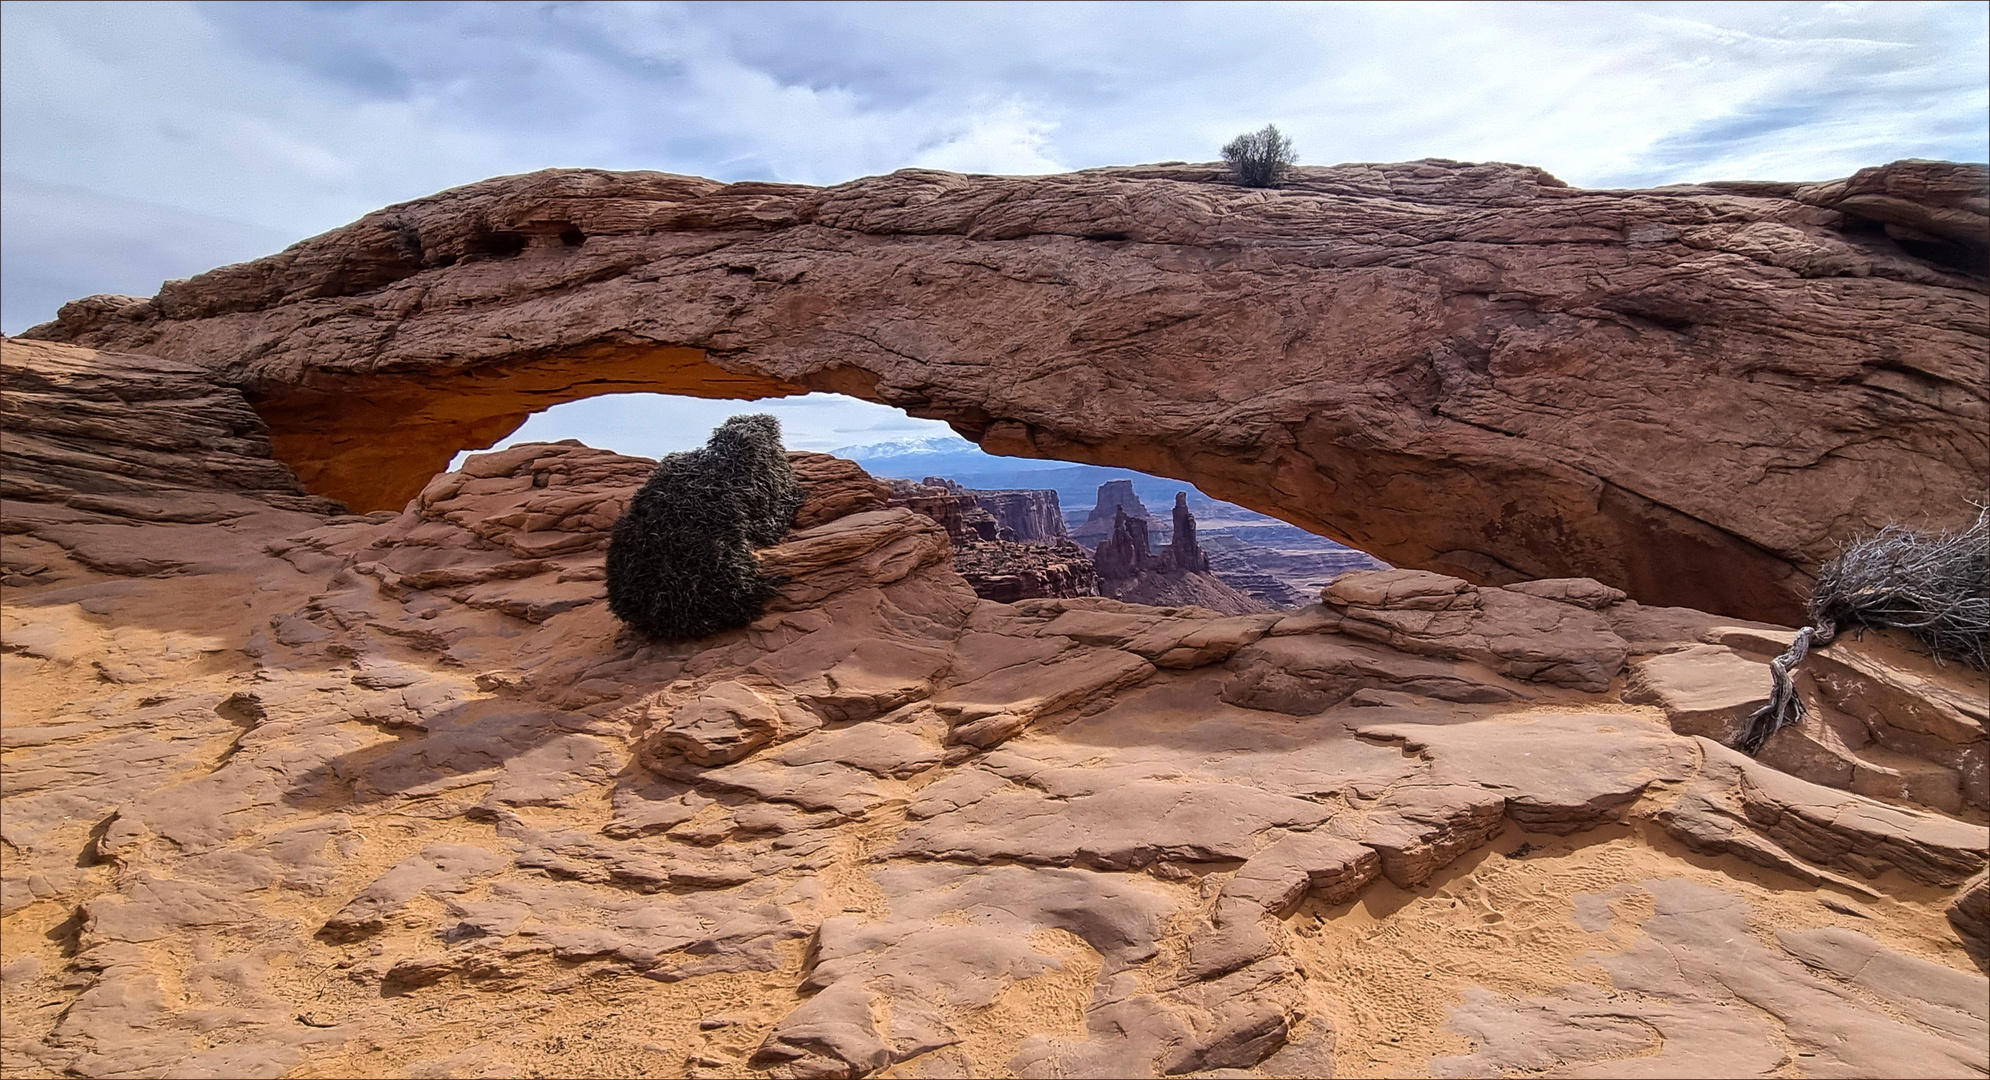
{"points": [[301, 118], [271, 122], [652, 425], [61, 243], [1006, 139]]}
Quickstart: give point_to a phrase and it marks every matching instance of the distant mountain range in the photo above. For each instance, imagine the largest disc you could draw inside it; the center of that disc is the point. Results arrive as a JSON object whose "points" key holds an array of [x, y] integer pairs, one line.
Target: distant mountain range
{"points": [[1277, 562], [912, 446], [1077, 486], [922, 456]]}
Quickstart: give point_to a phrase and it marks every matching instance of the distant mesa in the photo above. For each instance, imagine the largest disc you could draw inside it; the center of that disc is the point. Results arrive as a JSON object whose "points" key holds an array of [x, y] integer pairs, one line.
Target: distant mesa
{"points": [[1115, 497], [1013, 545], [1177, 574], [1125, 553], [1028, 516], [970, 515], [1009, 545], [947, 503]]}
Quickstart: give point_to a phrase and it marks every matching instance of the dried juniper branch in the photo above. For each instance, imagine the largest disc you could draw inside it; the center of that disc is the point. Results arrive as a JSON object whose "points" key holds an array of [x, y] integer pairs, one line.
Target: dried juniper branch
{"points": [[1935, 587]]}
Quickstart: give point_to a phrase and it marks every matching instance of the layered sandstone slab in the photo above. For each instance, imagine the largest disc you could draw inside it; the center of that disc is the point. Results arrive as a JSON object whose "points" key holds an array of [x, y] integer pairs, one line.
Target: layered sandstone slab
{"points": [[394, 794], [1692, 393]]}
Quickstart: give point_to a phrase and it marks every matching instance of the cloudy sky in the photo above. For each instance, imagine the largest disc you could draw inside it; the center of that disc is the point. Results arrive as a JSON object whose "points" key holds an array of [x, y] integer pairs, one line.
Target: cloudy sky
{"points": [[148, 141]]}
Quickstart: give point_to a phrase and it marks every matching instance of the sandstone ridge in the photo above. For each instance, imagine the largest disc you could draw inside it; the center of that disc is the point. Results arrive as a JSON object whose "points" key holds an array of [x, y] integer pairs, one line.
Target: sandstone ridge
{"points": [[1693, 393], [292, 791]]}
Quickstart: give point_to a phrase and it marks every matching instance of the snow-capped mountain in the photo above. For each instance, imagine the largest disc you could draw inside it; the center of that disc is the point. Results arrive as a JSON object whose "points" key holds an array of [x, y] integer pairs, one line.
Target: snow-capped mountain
{"points": [[914, 446], [921, 456]]}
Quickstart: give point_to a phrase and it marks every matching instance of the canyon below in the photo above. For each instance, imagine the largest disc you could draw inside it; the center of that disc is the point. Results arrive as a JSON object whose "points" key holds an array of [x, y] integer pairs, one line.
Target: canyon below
{"points": [[323, 761]]}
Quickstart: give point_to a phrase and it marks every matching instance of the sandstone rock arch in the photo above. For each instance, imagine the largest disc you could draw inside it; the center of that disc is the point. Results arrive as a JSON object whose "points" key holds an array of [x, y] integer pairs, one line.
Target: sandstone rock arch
{"points": [[1691, 393]]}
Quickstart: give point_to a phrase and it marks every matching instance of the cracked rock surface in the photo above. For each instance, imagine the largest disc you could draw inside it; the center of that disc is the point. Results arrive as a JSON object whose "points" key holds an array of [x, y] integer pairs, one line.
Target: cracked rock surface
{"points": [[1473, 369], [297, 792]]}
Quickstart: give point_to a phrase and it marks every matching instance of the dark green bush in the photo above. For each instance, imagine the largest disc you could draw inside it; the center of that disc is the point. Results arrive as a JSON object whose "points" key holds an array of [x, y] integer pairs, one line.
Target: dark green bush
{"points": [[1260, 158], [680, 561]]}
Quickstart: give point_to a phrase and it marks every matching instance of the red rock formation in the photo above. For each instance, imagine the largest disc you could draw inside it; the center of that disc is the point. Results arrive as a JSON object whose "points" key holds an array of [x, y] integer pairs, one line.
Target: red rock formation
{"points": [[1115, 497], [946, 507], [290, 791], [1183, 552], [954, 507], [1124, 552], [987, 553], [1006, 571], [1030, 516], [1177, 574], [1694, 393], [834, 488]]}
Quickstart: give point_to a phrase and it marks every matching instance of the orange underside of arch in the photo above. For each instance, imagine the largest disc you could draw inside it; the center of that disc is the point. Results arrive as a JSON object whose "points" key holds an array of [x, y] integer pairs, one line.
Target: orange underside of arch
{"points": [[373, 441]]}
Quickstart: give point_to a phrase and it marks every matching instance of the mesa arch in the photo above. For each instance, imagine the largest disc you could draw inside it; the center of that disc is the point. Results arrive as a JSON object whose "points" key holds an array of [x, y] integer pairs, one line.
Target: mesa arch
{"points": [[1692, 393]]}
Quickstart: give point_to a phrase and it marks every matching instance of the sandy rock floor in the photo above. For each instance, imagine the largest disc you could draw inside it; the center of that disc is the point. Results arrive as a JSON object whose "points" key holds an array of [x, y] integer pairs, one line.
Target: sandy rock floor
{"points": [[394, 795]]}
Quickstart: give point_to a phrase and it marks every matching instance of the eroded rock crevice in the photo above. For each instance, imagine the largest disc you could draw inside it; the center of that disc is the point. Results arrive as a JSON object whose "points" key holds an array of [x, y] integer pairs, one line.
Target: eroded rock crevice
{"points": [[350, 784], [1472, 369]]}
